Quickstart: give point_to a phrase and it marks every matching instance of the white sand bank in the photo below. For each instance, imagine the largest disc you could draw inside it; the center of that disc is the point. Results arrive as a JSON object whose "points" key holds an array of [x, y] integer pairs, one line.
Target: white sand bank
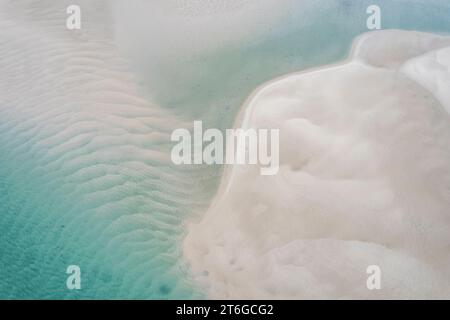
{"points": [[364, 179]]}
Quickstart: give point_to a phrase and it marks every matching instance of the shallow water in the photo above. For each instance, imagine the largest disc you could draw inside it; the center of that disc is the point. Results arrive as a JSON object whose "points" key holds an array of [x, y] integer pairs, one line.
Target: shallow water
{"points": [[85, 197]]}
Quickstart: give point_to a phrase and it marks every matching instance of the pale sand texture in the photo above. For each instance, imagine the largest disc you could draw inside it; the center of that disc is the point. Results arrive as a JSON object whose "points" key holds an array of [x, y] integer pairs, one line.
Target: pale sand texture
{"points": [[364, 179]]}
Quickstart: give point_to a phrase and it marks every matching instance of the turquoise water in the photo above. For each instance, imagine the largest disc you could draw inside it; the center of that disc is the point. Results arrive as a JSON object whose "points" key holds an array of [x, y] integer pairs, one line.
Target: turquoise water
{"points": [[123, 225]]}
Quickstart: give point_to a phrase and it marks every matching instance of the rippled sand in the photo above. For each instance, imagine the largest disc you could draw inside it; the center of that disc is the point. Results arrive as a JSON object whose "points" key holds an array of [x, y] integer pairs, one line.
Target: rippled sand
{"points": [[86, 176]]}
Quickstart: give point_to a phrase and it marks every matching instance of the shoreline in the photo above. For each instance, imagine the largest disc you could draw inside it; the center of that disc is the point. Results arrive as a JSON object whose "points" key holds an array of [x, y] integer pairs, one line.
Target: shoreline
{"points": [[246, 109], [202, 240]]}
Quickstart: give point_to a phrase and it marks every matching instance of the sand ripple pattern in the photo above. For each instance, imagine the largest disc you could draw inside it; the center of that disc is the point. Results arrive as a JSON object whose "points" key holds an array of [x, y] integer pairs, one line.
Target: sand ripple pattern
{"points": [[85, 176]]}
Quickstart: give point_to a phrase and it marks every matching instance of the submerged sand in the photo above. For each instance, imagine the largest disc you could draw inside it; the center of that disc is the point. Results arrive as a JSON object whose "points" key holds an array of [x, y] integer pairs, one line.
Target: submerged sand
{"points": [[364, 180]]}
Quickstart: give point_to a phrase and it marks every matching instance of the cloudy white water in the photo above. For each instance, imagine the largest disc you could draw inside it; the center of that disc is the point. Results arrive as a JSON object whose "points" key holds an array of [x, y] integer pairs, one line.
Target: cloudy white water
{"points": [[86, 177]]}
